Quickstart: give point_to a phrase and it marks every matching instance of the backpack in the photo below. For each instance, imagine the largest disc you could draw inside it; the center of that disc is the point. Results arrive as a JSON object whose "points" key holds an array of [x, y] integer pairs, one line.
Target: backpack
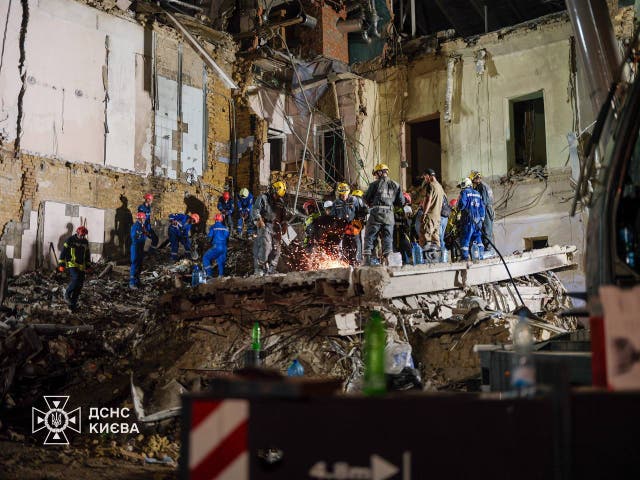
{"points": [[446, 208]]}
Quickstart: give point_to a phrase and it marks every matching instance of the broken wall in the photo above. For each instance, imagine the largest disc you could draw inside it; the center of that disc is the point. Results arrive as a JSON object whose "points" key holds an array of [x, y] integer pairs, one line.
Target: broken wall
{"points": [[82, 119]]}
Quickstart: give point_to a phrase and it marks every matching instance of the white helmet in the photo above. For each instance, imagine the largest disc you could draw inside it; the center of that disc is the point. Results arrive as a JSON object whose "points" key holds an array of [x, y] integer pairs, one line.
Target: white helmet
{"points": [[465, 183], [327, 204], [244, 193], [407, 210]]}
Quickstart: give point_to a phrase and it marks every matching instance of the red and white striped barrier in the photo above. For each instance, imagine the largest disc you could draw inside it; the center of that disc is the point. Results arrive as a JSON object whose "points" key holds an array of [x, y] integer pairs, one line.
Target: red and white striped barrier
{"points": [[218, 440]]}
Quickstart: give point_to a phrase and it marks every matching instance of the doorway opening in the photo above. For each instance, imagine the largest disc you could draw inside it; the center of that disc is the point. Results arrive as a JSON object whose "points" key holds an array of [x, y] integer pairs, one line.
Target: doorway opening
{"points": [[529, 135], [276, 141], [332, 155], [425, 149]]}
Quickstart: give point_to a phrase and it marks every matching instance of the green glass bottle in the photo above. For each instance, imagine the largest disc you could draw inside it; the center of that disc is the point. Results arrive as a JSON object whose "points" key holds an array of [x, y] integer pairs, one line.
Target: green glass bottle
{"points": [[256, 343], [375, 340]]}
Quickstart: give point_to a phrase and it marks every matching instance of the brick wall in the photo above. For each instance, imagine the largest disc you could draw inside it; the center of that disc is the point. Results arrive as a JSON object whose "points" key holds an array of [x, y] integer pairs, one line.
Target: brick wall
{"points": [[324, 39]]}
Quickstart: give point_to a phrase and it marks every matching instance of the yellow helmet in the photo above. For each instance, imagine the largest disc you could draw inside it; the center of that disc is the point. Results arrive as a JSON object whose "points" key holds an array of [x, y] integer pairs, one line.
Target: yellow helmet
{"points": [[279, 187], [379, 167], [474, 174], [357, 193], [244, 192], [342, 189]]}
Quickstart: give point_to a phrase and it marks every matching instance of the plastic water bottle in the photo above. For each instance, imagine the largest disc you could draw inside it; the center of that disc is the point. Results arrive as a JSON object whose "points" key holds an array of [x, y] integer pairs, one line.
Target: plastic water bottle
{"points": [[295, 369], [256, 342], [416, 254], [202, 277], [523, 373], [375, 382], [475, 252], [195, 276]]}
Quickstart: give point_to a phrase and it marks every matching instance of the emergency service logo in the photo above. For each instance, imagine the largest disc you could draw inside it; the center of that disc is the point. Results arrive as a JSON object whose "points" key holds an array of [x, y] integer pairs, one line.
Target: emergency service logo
{"points": [[56, 420]]}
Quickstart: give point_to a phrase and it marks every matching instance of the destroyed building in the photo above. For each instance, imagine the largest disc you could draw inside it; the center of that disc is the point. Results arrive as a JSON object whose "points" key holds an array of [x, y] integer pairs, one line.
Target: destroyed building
{"points": [[104, 101]]}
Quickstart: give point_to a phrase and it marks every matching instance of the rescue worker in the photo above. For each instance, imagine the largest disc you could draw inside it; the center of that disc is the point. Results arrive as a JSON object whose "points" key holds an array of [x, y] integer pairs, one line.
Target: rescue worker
{"points": [[402, 230], [139, 235], [445, 212], [76, 258], [179, 232], [218, 236], [344, 213], [245, 205], [431, 208], [145, 207], [311, 211], [268, 215], [451, 235], [472, 214], [486, 193], [327, 232], [361, 217], [225, 206], [382, 195]]}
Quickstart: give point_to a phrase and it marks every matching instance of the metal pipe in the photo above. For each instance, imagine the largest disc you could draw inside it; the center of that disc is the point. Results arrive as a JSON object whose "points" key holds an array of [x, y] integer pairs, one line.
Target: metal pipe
{"points": [[195, 44], [186, 5], [349, 26], [486, 19], [597, 45], [412, 9]]}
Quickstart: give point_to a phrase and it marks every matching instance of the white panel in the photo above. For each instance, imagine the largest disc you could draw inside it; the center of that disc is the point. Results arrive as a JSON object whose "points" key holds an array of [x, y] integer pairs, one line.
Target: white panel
{"points": [[191, 156], [64, 104], [166, 124], [27, 260], [121, 115], [9, 74], [58, 227]]}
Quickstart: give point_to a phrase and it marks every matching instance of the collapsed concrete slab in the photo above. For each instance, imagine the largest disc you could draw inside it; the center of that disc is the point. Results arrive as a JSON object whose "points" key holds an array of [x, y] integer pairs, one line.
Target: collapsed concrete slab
{"points": [[299, 294]]}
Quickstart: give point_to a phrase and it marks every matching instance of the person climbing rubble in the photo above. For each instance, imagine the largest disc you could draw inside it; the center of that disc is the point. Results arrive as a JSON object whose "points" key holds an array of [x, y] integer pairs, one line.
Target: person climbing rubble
{"points": [[431, 217], [139, 235], [486, 193], [225, 207], [268, 214], [179, 232], [472, 215], [344, 213], [311, 211], [145, 208], [75, 257], [245, 205], [218, 236], [358, 223], [381, 196]]}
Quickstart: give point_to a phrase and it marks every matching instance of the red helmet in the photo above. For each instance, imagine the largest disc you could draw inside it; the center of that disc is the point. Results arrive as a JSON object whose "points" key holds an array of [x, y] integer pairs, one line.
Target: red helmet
{"points": [[219, 217], [309, 205], [195, 217], [82, 231], [226, 196], [148, 196], [141, 216], [453, 202], [407, 198]]}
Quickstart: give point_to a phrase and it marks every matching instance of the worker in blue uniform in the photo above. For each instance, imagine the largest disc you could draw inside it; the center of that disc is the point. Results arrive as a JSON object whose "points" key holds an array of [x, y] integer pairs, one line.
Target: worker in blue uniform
{"points": [[225, 207], [472, 214], [145, 208], [139, 236], [180, 230], [245, 205], [218, 236]]}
